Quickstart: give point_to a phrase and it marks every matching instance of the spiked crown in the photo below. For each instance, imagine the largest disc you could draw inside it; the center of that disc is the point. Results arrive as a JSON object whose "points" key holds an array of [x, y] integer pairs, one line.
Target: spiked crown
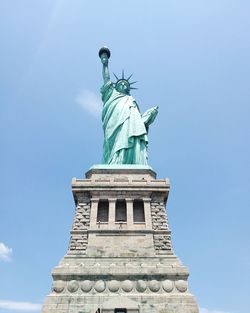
{"points": [[124, 80]]}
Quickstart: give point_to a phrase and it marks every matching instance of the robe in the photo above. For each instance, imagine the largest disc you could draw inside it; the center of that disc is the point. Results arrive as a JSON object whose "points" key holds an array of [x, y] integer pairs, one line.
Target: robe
{"points": [[125, 133]]}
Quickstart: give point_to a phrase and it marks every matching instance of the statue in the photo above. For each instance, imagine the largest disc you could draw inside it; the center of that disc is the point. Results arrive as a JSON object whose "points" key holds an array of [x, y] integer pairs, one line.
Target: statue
{"points": [[125, 129]]}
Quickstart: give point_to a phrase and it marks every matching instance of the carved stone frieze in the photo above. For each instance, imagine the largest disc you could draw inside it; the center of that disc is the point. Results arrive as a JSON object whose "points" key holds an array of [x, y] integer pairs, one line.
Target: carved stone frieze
{"points": [[127, 286]]}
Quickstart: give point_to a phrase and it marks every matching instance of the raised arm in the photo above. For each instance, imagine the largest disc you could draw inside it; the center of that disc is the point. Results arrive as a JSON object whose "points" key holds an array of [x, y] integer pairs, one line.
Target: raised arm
{"points": [[105, 69], [104, 55]]}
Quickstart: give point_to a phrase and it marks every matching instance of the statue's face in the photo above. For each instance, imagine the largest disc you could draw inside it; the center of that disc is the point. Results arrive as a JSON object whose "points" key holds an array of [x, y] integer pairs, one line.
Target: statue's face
{"points": [[123, 87]]}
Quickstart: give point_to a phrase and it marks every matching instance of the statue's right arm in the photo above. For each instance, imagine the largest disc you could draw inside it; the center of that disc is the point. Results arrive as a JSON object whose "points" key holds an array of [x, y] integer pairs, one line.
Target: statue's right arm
{"points": [[105, 70]]}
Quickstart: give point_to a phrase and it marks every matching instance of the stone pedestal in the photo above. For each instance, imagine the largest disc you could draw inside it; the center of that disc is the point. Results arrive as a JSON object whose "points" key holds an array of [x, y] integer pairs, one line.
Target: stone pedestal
{"points": [[120, 257]]}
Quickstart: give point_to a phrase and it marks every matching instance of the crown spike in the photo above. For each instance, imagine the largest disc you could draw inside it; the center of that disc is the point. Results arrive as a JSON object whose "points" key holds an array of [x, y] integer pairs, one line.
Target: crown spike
{"points": [[133, 83], [130, 76], [116, 76], [122, 74], [133, 88]]}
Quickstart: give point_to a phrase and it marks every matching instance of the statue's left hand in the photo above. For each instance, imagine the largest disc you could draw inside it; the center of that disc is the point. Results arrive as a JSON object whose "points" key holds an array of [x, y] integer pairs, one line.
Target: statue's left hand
{"points": [[149, 116]]}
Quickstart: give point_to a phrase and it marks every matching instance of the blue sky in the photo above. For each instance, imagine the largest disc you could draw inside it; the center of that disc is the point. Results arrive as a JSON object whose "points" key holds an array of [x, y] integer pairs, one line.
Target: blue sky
{"points": [[191, 58]]}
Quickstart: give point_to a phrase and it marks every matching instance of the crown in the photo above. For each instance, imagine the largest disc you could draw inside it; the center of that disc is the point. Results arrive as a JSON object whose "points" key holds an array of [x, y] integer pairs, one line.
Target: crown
{"points": [[123, 79]]}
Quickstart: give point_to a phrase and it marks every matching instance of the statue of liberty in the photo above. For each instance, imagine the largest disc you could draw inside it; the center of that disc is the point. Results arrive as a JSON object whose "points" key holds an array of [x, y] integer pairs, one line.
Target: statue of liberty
{"points": [[125, 129]]}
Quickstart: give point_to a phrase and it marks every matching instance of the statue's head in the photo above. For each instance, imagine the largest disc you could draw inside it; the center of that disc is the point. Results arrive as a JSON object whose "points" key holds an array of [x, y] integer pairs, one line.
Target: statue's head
{"points": [[123, 85]]}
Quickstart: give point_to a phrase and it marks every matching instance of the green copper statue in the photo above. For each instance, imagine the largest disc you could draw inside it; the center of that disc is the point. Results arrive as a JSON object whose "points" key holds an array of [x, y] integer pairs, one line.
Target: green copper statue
{"points": [[125, 129]]}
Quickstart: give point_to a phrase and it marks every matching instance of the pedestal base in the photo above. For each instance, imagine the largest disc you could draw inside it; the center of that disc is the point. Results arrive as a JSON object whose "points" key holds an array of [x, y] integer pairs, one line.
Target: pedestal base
{"points": [[113, 266]]}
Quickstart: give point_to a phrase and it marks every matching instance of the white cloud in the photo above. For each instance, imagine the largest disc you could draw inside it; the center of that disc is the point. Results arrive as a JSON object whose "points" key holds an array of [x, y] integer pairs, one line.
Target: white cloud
{"points": [[19, 306], [5, 252], [90, 102], [204, 310]]}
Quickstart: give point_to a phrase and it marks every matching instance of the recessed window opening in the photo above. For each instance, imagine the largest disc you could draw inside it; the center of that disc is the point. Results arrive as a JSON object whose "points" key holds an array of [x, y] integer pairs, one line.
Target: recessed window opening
{"points": [[103, 211], [138, 211], [120, 310], [120, 211]]}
